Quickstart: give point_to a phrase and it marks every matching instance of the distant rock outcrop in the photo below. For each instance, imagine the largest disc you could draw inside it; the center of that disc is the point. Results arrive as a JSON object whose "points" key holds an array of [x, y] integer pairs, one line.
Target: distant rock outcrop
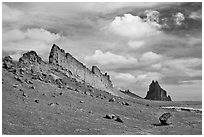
{"points": [[7, 62], [94, 77], [29, 58], [32, 61], [129, 93], [157, 93]]}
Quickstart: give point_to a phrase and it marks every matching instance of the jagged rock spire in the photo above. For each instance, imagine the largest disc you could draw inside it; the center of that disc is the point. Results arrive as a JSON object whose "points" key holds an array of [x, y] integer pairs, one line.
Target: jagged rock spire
{"points": [[156, 92], [30, 57]]}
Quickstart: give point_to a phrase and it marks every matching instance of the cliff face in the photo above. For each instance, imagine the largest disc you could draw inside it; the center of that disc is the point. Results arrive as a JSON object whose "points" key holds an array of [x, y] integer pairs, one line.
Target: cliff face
{"points": [[94, 77], [157, 93]]}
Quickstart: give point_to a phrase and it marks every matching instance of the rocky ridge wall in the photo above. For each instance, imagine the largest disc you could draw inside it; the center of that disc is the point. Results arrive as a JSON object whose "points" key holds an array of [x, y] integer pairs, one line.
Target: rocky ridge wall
{"points": [[94, 77]]}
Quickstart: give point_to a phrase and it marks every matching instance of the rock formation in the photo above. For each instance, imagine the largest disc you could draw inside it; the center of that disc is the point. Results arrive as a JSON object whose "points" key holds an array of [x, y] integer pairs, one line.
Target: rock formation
{"points": [[33, 62], [94, 77], [157, 93], [164, 118], [62, 62], [129, 93], [7, 62], [29, 58]]}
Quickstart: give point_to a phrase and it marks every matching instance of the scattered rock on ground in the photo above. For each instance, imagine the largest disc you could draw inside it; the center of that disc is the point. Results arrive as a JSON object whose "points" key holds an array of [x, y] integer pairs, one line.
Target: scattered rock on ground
{"points": [[125, 103], [19, 79], [15, 86], [28, 81], [112, 100], [87, 93], [110, 116], [36, 101], [114, 117], [60, 93], [32, 87], [53, 104], [118, 119], [24, 94]]}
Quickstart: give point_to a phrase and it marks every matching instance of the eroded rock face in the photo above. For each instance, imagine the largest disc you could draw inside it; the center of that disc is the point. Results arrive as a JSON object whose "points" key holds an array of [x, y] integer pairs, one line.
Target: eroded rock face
{"points": [[29, 58], [32, 61], [8, 62], [94, 77], [157, 93]]}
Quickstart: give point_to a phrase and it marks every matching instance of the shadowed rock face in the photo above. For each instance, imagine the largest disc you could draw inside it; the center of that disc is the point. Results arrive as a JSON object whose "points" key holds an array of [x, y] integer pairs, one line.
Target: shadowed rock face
{"points": [[94, 77], [157, 93], [32, 61], [29, 58], [7, 62]]}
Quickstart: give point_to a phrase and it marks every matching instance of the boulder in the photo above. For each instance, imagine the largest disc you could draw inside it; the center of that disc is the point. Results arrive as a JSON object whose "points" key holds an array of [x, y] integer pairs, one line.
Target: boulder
{"points": [[112, 100], [36, 101], [15, 86], [18, 79], [59, 82], [28, 81], [81, 101], [125, 103], [164, 118], [87, 93], [110, 116], [24, 94], [118, 119]]}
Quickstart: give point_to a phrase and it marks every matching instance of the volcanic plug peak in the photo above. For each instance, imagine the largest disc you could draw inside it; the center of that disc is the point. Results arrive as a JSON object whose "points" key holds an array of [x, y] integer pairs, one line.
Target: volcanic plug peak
{"points": [[156, 92]]}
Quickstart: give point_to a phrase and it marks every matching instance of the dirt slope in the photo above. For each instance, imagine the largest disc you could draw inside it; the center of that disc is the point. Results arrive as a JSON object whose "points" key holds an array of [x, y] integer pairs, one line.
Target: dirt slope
{"points": [[36, 106]]}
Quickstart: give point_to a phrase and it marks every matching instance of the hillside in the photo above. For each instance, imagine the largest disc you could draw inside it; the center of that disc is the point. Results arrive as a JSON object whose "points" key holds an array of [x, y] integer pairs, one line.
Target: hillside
{"points": [[38, 98], [44, 108]]}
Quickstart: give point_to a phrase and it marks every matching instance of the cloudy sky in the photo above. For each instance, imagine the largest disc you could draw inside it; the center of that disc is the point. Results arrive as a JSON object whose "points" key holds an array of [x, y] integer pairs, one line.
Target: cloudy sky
{"points": [[134, 42]]}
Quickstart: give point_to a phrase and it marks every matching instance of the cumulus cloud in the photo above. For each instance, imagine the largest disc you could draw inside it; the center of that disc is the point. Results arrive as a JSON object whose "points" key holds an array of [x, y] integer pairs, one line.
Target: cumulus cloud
{"points": [[196, 15], [184, 63], [13, 35], [125, 76], [16, 56], [157, 66], [179, 17], [133, 26], [147, 77], [109, 58], [136, 44], [142, 78], [150, 57], [33, 33], [10, 14], [182, 67], [36, 39]]}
